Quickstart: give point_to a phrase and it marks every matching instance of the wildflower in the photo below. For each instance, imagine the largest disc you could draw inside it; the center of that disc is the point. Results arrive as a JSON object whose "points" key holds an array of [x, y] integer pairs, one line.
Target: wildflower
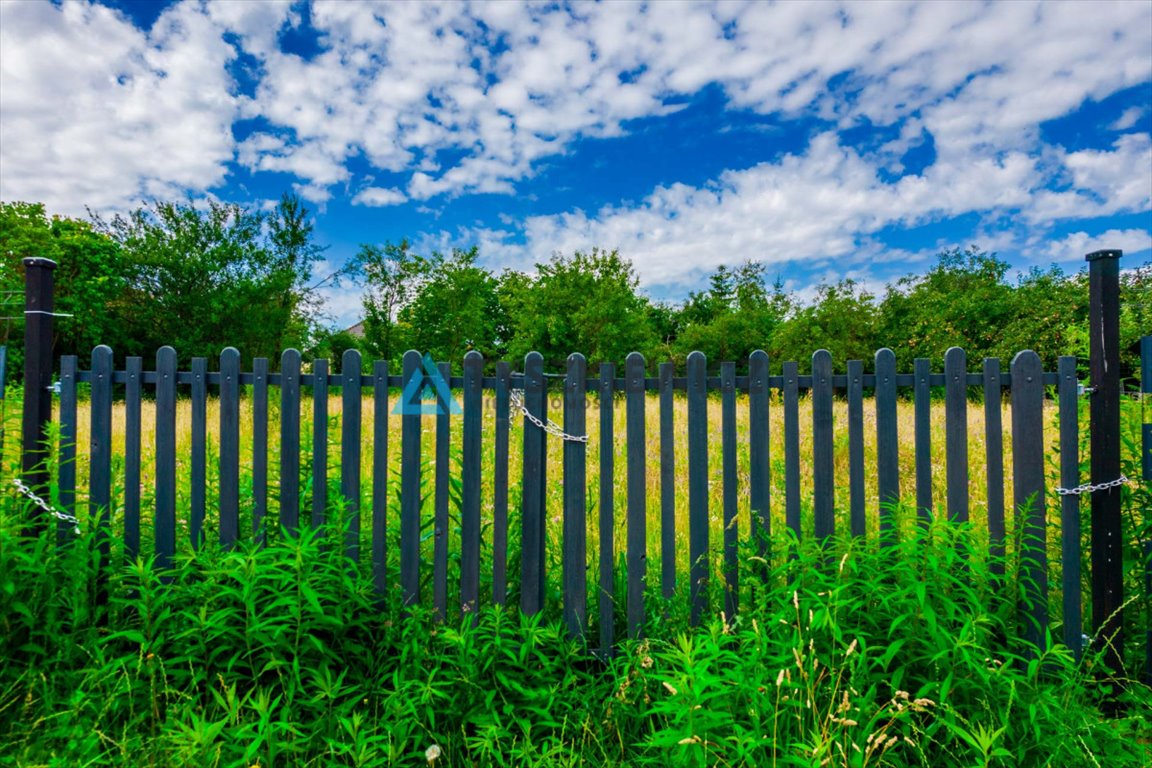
{"points": [[671, 690], [432, 753], [851, 648], [780, 678], [693, 739]]}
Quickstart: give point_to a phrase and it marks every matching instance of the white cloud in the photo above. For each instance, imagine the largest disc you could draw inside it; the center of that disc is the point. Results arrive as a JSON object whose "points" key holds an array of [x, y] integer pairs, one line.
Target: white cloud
{"points": [[1101, 182], [97, 112], [1072, 248], [401, 83], [379, 197], [824, 204], [1128, 119], [464, 98]]}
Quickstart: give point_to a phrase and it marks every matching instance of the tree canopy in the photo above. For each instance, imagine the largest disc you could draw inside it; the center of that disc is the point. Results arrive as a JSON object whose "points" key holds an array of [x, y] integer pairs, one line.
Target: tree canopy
{"points": [[200, 277]]}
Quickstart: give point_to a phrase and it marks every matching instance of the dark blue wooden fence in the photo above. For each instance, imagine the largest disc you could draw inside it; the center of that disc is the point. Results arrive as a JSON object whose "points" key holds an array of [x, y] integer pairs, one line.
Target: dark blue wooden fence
{"points": [[523, 396], [284, 506]]}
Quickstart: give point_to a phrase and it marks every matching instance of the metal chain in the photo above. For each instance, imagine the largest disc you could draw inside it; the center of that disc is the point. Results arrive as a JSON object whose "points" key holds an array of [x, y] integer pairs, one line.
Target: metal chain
{"points": [[549, 426], [1090, 488], [24, 489]]}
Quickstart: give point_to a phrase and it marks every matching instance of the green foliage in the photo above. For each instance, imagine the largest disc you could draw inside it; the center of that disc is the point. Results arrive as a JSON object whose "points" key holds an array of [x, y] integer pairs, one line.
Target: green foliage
{"points": [[734, 317], [204, 278], [90, 280], [841, 319], [1135, 315], [392, 275], [587, 302], [1050, 317], [963, 301], [853, 654], [455, 309]]}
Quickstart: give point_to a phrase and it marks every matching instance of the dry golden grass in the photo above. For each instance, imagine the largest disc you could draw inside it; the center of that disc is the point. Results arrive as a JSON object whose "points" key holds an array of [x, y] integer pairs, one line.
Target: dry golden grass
{"points": [[976, 448]]}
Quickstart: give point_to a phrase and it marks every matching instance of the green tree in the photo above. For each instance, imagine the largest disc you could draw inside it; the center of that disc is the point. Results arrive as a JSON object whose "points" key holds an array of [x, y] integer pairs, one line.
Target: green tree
{"points": [[205, 278], [963, 301], [455, 309], [841, 319], [90, 280], [1049, 317], [734, 317], [587, 302], [1135, 315], [392, 274]]}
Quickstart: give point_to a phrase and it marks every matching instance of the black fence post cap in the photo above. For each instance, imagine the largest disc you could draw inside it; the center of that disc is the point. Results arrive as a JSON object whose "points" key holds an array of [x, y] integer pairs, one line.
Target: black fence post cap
{"points": [[1108, 254], [37, 261]]}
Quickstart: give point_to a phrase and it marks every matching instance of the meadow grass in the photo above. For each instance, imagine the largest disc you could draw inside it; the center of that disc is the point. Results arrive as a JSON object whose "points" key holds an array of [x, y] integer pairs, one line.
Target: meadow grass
{"points": [[554, 500], [554, 487], [853, 654]]}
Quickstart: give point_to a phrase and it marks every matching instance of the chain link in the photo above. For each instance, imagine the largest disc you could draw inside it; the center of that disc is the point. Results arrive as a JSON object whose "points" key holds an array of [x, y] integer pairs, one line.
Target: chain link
{"points": [[549, 426], [24, 489], [1090, 488]]}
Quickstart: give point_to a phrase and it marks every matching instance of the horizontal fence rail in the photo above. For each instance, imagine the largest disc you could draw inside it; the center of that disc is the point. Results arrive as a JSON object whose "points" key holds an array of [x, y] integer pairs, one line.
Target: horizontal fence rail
{"points": [[431, 468]]}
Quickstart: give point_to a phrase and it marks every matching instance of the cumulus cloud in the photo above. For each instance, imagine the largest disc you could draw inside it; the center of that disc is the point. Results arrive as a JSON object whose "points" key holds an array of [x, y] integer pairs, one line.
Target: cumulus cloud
{"points": [[823, 205], [97, 112], [452, 99], [379, 197], [1072, 248], [405, 82]]}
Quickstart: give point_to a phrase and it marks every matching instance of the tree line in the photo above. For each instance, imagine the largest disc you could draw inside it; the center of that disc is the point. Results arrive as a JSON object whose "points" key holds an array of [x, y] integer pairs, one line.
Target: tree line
{"points": [[590, 302], [202, 277]]}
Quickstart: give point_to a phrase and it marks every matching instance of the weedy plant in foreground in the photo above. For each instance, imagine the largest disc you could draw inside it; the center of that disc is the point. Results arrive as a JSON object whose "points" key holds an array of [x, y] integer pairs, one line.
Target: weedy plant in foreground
{"points": [[847, 655]]}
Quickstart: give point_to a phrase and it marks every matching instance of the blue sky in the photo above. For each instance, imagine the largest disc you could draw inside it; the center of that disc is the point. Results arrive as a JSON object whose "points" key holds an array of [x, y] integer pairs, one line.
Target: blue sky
{"points": [[827, 139]]}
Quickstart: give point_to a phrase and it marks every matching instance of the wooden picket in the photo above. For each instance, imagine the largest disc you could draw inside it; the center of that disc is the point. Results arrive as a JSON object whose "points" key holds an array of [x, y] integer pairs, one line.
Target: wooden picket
{"points": [[523, 399]]}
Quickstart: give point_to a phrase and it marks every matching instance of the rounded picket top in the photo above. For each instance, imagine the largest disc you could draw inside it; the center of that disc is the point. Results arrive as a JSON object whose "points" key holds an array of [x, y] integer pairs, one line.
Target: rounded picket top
{"points": [[288, 356], [533, 357], [758, 356], [577, 367], [1026, 364], [164, 355], [576, 374], [473, 356], [351, 361], [819, 356], [101, 350], [229, 355], [697, 357], [885, 354], [634, 366]]}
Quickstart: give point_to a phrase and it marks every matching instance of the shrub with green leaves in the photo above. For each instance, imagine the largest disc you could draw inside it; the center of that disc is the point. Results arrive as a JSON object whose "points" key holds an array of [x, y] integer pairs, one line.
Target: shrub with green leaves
{"points": [[852, 654]]}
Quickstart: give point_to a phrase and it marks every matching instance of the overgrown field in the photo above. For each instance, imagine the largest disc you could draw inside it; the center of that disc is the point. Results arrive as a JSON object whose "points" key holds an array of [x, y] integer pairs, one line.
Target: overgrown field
{"points": [[853, 656], [554, 501]]}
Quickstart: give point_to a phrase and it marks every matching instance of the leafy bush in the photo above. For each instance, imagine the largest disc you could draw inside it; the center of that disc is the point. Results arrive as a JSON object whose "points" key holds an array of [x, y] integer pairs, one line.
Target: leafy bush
{"points": [[853, 654]]}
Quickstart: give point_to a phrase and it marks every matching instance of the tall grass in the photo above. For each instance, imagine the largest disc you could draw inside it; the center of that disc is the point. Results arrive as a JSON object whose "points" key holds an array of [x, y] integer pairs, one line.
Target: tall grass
{"points": [[852, 655], [554, 488], [856, 655]]}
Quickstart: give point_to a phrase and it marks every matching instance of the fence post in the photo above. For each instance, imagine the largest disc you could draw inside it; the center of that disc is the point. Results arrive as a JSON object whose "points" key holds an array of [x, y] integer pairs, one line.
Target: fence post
{"points": [[38, 295], [1146, 472], [1104, 425]]}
